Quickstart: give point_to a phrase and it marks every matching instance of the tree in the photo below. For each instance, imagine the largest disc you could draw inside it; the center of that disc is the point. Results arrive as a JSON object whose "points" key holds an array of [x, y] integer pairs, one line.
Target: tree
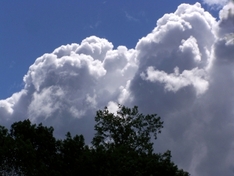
{"points": [[31, 150], [73, 152], [124, 140], [121, 146], [128, 128], [6, 143]]}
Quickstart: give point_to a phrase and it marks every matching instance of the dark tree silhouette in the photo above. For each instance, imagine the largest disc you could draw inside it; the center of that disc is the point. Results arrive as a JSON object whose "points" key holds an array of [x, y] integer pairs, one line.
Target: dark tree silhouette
{"points": [[121, 146]]}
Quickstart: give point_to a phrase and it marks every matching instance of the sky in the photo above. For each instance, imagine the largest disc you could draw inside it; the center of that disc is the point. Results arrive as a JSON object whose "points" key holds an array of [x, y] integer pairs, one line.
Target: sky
{"points": [[62, 61]]}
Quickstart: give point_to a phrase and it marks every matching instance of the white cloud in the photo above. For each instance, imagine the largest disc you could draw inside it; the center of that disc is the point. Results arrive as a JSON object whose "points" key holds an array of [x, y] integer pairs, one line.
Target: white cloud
{"points": [[112, 107], [71, 83], [175, 81], [182, 70], [190, 46], [187, 55], [225, 25], [217, 3]]}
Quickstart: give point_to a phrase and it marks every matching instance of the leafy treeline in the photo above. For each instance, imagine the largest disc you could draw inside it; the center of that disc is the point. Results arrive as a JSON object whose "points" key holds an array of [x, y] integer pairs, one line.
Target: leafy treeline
{"points": [[121, 146]]}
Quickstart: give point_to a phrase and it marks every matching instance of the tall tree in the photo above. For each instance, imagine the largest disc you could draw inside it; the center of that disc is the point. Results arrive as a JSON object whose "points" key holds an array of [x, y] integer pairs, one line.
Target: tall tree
{"points": [[124, 139], [127, 128]]}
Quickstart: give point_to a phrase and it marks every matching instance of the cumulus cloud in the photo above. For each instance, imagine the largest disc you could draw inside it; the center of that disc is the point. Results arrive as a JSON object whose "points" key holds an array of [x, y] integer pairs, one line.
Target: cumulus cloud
{"points": [[185, 74], [175, 81], [71, 83], [182, 70]]}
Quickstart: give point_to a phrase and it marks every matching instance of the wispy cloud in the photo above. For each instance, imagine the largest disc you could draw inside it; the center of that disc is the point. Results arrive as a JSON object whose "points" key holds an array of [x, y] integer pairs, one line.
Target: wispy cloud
{"points": [[130, 17], [216, 3]]}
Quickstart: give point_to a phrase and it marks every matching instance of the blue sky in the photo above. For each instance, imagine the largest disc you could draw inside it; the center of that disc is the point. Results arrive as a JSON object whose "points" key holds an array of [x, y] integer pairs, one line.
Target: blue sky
{"points": [[31, 28]]}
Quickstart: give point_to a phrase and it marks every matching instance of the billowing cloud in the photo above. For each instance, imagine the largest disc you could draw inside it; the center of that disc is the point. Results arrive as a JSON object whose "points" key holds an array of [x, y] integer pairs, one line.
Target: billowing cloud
{"points": [[186, 74], [182, 70], [175, 81], [71, 83]]}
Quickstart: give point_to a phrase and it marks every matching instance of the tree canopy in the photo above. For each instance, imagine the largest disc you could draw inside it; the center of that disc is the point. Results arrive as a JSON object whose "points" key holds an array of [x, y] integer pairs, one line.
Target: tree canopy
{"points": [[128, 128], [121, 145]]}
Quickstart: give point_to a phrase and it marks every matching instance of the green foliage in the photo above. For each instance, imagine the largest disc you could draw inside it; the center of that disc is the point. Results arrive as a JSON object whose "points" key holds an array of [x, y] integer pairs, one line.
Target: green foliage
{"points": [[121, 146], [72, 153], [31, 149], [128, 129], [124, 141]]}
